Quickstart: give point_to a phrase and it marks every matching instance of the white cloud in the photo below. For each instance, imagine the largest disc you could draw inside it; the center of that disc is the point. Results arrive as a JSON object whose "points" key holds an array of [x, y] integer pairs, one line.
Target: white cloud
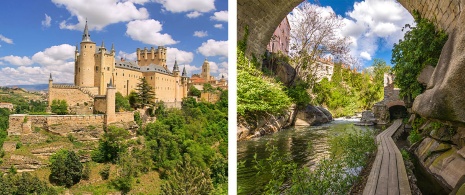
{"points": [[148, 31], [101, 13], [183, 57], [127, 56], [17, 60], [58, 60], [200, 34], [365, 56], [221, 16], [214, 48], [187, 5], [55, 56], [46, 22], [193, 14], [220, 26], [373, 23], [5, 39]]}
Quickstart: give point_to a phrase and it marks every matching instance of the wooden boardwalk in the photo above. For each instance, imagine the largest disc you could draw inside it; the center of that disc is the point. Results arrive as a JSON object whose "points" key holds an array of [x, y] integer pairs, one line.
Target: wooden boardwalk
{"points": [[388, 175]]}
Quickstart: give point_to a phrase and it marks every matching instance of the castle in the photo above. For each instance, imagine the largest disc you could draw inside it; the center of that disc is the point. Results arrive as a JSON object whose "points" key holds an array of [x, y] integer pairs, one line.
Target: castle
{"points": [[98, 75]]}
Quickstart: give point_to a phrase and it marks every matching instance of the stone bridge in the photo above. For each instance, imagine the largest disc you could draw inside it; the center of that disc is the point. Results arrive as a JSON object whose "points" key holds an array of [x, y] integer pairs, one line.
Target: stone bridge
{"points": [[263, 16]]}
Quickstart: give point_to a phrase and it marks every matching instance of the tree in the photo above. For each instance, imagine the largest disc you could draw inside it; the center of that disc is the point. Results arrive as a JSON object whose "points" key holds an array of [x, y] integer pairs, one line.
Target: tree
{"points": [[59, 107], [421, 46], [66, 169], [111, 145], [194, 91], [133, 99], [24, 183], [145, 93], [208, 88], [188, 179], [313, 36], [121, 103]]}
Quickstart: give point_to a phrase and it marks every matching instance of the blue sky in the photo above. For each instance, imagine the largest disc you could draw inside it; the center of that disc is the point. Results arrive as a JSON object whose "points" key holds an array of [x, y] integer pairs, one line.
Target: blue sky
{"points": [[39, 37], [373, 26]]}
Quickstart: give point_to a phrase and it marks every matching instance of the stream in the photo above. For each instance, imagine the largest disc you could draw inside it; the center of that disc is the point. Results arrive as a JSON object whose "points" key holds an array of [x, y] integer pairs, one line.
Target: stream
{"points": [[306, 145]]}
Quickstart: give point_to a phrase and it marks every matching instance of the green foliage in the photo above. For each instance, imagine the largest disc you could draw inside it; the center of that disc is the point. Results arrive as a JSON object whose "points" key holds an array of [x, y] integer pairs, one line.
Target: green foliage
{"points": [[66, 169], [86, 172], [255, 95], [188, 179], [299, 94], [111, 145], [414, 136], [161, 109], [24, 183], [194, 91], [138, 118], [208, 88], [349, 92], [4, 122], [199, 129], [121, 103], [126, 173], [421, 46], [19, 145], [405, 155], [12, 170], [145, 93], [133, 99], [105, 172], [59, 107]]}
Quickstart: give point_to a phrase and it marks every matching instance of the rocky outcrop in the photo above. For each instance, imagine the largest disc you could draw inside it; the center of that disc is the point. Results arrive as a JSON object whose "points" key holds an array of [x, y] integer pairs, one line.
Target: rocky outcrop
{"points": [[443, 98], [267, 124], [425, 75], [314, 115], [368, 119], [442, 153]]}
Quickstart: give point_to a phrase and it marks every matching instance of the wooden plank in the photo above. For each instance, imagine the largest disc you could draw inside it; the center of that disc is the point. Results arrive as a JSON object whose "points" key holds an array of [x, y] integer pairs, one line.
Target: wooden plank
{"points": [[372, 181], [382, 185], [393, 178]]}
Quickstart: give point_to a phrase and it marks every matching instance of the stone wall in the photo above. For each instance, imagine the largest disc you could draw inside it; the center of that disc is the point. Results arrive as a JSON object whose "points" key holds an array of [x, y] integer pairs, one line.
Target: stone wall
{"points": [[124, 117], [82, 125], [72, 94], [445, 14], [261, 17]]}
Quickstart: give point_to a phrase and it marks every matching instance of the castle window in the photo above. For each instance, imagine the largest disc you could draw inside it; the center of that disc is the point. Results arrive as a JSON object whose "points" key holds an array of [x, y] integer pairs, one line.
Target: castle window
{"points": [[91, 46], [125, 86], [123, 74], [151, 78], [96, 68], [85, 46]]}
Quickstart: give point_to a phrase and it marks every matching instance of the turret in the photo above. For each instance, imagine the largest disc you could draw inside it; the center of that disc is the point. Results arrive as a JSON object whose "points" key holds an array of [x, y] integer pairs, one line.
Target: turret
{"points": [[76, 53], [113, 49], [184, 73], [86, 35], [50, 85], [102, 48], [176, 68], [85, 65]]}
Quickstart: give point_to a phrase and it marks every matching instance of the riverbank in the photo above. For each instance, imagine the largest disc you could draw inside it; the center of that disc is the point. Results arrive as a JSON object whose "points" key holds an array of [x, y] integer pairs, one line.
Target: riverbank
{"points": [[265, 124]]}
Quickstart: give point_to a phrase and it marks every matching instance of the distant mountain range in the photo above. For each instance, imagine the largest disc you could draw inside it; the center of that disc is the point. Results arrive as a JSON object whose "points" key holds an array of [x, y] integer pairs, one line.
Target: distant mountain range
{"points": [[36, 87]]}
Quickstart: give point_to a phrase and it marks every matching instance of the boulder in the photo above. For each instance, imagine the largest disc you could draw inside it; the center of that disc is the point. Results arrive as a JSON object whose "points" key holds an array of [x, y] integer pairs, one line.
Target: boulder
{"points": [[285, 73], [443, 98], [314, 115], [425, 75]]}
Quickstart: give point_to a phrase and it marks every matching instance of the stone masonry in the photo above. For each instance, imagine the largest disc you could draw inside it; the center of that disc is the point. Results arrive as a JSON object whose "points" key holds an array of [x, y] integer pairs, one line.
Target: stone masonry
{"points": [[261, 17]]}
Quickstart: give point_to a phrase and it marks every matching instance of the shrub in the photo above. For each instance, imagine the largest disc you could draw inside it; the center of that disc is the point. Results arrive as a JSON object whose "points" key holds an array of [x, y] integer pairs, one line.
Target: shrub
{"points": [[105, 172], [111, 145], [86, 172], [66, 169], [59, 107]]}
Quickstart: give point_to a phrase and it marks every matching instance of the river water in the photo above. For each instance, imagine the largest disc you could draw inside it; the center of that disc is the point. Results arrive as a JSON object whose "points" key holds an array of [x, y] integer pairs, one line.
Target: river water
{"points": [[307, 146]]}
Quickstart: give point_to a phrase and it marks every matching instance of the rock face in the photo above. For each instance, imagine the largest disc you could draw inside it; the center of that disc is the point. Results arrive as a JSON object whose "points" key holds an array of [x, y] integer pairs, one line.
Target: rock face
{"points": [[443, 98], [425, 75], [315, 115], [264, 125], [443, 154], [368, 118]]}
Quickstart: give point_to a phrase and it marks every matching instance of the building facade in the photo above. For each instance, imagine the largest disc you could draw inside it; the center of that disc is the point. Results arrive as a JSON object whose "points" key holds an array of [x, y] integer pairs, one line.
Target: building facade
{"points": [[281, 37]]}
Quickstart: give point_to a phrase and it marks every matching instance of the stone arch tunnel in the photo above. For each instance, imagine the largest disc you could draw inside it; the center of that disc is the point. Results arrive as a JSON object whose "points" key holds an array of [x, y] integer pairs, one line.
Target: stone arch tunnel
{"points": [[263, 16]]}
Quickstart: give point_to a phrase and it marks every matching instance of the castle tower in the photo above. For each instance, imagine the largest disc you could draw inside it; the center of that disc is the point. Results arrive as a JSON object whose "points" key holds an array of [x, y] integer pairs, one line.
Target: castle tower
{"points": [[110, 115], [85, 61], [205, 70], [50, 85], [184, 82]]}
